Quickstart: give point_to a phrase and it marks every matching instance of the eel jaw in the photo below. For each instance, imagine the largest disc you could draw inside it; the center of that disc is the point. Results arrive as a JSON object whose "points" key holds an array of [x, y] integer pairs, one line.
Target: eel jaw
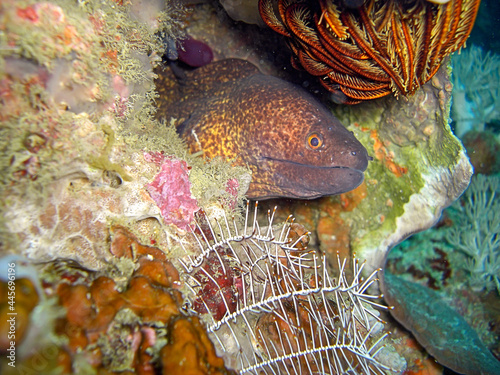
{"points": [[274, 178]]}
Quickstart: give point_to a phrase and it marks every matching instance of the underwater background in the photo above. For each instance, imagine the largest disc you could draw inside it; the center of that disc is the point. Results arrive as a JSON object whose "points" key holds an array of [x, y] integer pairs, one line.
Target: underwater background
{"points": [[128, 247]]}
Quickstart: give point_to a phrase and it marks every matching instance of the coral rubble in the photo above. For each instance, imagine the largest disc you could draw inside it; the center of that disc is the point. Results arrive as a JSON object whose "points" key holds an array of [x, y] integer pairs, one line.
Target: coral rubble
{"points": [[129, 321]]}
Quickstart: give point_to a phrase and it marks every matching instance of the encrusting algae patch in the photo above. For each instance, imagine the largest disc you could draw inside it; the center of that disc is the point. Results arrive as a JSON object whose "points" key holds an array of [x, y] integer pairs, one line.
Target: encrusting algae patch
{"points": [[78, 90]]}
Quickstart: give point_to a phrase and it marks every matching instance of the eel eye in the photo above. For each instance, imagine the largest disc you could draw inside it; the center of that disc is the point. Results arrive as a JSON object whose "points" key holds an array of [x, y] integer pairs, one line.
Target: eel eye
{"points": [[314, 141]]}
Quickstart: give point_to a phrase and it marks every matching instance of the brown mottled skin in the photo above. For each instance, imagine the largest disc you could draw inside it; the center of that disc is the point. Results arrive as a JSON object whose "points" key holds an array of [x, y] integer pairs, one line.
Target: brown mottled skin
{"points": [[230, 109]]}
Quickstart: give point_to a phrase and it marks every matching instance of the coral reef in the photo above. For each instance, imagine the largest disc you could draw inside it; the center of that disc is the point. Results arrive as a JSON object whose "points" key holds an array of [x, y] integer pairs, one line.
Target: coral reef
{"points": [[77, 91], [80, 154], [79, 149], [129, 321], [459, 259], [420, 168], [476, 232], [132, 317]]}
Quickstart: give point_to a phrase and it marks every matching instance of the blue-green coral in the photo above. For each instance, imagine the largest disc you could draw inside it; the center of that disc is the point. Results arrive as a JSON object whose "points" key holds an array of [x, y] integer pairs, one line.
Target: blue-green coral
{"points": [[476, 90], [476, 232]]}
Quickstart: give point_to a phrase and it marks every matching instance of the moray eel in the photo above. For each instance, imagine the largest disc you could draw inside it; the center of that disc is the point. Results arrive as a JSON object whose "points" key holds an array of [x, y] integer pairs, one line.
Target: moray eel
{"points": [[294, 146]]}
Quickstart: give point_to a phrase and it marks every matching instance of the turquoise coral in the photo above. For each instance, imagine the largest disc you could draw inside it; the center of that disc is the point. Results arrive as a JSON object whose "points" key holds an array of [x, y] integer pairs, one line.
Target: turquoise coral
{"points": [[477, 231], [439, 328], [476, 89]]}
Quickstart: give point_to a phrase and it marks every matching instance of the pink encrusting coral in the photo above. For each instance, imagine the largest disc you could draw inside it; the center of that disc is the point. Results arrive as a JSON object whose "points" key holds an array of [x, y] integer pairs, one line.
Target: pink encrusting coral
{"points": [[171, 190], [232, 186]]}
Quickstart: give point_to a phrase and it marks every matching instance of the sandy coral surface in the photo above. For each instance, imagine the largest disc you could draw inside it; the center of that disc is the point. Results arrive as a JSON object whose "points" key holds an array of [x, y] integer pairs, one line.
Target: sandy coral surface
{"points": [[98, 195]]}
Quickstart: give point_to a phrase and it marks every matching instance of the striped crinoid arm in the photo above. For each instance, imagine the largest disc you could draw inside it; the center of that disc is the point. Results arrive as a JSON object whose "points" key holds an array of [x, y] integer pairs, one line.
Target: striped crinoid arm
{"points": [[273, 306], [366, 51]]}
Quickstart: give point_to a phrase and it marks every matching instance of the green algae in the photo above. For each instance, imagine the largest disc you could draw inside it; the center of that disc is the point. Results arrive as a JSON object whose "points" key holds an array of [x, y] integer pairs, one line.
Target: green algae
{"points": [[102, 161], [383, 187], [101, 143], [386, 193], [413, 150], [116, 346]]}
